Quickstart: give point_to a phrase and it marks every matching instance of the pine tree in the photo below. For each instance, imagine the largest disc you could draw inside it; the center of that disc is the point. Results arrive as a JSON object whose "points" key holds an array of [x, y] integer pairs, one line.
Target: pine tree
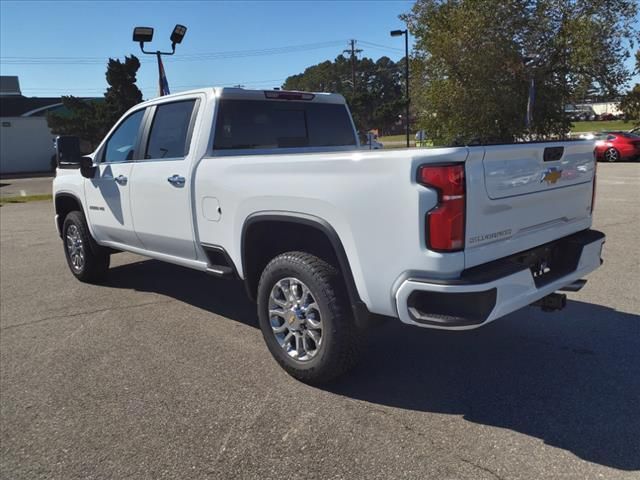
{"points": [[91, 120]]}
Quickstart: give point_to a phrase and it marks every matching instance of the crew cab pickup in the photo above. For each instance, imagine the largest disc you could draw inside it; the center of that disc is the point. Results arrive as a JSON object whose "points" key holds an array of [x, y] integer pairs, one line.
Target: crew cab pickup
{"points": [[272, 187]]}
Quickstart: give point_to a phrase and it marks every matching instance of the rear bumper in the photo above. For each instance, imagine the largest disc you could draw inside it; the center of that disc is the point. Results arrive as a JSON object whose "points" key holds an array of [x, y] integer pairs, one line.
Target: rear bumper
{"points": [[487, 292]]}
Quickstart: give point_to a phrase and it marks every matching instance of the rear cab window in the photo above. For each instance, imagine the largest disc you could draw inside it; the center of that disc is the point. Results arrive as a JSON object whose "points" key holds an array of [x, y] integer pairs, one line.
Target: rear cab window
{"points": [[277, 124]]}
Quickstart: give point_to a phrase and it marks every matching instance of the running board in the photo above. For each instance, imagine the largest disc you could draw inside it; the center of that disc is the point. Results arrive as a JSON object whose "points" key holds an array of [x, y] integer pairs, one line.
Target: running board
{"points": [[220, 271]]}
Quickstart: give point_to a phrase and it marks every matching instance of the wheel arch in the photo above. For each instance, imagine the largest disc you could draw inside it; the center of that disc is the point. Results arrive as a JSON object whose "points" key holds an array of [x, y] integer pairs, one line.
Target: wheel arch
{"points": [[252, 261], [65, 203]]}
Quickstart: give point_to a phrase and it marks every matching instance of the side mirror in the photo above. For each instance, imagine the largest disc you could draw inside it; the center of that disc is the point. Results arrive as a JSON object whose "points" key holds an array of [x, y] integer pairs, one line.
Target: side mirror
{"points": [[68, 151], [87, 168]]}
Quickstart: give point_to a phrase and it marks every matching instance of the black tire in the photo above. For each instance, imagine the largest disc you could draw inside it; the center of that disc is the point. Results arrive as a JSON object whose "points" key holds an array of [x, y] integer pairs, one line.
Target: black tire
{"points": [[95, 263], [612, 155], [341, 341]]}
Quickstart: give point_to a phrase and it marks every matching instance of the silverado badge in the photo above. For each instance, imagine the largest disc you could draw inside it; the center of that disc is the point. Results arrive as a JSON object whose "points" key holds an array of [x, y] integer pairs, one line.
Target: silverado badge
{"points": [[551, 175]]}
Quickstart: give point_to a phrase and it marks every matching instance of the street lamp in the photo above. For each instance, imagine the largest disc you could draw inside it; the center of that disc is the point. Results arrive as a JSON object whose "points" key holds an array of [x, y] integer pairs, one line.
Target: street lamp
{"points": [[142, 34], [145, 34], [399, 33]]}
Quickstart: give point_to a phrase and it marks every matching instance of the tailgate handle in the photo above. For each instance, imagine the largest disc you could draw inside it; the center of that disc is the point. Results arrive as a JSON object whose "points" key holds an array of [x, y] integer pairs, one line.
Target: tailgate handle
{"points": [[552, 154]]}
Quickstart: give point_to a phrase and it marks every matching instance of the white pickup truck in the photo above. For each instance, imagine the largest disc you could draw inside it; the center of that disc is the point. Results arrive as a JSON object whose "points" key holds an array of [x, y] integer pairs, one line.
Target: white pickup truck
{"points": [[272, 187]]}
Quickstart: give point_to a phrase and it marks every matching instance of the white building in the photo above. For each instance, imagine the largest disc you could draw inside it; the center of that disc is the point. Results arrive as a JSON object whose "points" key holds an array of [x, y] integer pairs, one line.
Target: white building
{"points": [[26, 143], [601, 108]]}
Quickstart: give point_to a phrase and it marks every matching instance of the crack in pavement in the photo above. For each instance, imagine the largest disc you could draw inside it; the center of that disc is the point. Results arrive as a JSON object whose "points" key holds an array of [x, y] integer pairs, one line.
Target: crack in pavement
{"points": [[480, 467], [90, 312]]}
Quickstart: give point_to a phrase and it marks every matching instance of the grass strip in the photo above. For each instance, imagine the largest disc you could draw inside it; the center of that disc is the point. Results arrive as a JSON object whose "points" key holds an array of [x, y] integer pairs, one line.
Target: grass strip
{"points": [[24, 199]]}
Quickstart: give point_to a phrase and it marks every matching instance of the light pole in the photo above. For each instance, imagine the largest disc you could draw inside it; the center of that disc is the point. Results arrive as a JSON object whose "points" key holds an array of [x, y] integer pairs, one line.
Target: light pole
{"points": [[145, 34], [398, 33], [529, 61]]}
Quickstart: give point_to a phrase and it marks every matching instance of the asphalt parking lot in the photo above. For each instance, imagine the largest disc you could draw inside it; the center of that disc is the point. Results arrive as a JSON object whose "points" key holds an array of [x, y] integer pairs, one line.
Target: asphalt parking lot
{"points": [[162, 373]]}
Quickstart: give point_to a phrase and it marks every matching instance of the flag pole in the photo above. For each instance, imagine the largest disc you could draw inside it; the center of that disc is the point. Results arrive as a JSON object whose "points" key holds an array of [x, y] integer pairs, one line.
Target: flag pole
{"points": [[163, 84]]}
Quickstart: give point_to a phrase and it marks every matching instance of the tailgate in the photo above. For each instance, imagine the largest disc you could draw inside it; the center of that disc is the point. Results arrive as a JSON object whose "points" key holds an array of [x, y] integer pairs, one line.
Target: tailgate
{"points": [[521, 196]]}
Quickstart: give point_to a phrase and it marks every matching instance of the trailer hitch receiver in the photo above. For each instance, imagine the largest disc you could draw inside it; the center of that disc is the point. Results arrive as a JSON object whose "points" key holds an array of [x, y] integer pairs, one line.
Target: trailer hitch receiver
{"points": [[552, 302]]}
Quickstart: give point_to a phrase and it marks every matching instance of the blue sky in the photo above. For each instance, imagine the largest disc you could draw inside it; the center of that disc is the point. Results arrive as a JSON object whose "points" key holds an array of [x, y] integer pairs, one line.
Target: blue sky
{"points": [[97, 30]]}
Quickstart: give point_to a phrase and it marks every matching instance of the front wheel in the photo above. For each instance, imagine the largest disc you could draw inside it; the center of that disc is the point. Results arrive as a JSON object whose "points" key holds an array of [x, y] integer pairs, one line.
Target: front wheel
{"points": [[305, 318], [86, 259]]}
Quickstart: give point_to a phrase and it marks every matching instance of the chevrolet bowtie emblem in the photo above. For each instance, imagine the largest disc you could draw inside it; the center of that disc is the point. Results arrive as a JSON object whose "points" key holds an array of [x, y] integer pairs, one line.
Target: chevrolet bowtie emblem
{"points": [[551, 175]]}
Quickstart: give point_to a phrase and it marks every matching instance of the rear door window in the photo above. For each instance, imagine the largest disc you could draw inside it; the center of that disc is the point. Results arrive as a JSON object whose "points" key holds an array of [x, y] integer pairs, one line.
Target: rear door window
{"points": [[252, 124], [170, 131]]}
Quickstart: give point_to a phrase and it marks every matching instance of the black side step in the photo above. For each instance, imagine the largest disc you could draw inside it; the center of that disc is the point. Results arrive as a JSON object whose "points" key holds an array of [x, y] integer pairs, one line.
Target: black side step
{"points": [[220, 264]]}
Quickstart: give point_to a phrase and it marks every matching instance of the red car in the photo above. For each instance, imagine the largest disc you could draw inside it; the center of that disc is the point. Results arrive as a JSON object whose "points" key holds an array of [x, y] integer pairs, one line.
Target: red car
{"points": [[616, 146]]}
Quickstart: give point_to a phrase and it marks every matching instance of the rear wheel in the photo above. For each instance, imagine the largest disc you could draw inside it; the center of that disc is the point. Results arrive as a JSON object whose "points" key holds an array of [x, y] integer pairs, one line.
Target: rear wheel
{"points": [[305, 318], [611, 155], [86, 259]]}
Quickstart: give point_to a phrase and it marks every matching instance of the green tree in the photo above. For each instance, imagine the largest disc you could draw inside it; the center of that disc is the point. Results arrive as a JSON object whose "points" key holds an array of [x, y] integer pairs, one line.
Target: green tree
{"points": [[473, 61], [91, 120], [378, 98], [630, 104]]}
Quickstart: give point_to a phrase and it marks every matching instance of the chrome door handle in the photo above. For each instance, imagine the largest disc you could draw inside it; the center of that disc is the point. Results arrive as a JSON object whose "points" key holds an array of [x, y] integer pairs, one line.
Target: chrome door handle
{"points": [[176, 180], [120, 180]]}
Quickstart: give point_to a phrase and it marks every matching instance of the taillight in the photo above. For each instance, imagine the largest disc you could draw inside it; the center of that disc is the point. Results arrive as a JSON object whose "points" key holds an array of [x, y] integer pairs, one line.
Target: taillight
{"points": [[445, 223], [595, 171]]}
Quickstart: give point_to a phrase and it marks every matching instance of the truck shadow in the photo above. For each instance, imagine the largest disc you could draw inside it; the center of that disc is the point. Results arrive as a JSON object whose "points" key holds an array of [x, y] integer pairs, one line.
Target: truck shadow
{"points": [[222, 297], [571, 378]]}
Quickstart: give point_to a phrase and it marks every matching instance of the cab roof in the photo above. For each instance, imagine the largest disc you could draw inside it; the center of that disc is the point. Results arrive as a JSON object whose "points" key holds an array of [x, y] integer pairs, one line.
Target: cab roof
{"points": [[244, 94]]}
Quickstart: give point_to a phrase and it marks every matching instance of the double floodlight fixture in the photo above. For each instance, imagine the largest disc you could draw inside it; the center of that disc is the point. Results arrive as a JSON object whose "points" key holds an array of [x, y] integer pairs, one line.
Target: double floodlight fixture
{"points": [[143, 35]]}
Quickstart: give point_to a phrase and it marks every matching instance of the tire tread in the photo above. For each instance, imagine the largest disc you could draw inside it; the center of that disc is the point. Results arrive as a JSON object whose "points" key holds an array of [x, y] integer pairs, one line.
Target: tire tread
{"points": [[347, 337], [96, 259]]}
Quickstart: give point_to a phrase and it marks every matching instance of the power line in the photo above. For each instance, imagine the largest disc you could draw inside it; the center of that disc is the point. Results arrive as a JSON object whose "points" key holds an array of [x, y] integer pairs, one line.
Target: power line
{"points": [[195, 57], [87, 91], [377, 46], [205, 56]]}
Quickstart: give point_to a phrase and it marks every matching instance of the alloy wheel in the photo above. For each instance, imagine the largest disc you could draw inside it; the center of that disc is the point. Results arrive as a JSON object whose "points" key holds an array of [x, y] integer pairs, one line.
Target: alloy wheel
{"points": [[75, 248], [611, 155], [296, 320]]}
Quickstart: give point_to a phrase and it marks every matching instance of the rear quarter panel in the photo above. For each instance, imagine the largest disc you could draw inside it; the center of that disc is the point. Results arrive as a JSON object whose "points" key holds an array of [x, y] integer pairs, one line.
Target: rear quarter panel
{"points": [[371, 199]]}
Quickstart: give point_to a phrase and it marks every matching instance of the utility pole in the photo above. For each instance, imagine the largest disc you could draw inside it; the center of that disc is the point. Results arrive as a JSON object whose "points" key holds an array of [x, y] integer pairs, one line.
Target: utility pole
{"points": [[353, 51]]}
